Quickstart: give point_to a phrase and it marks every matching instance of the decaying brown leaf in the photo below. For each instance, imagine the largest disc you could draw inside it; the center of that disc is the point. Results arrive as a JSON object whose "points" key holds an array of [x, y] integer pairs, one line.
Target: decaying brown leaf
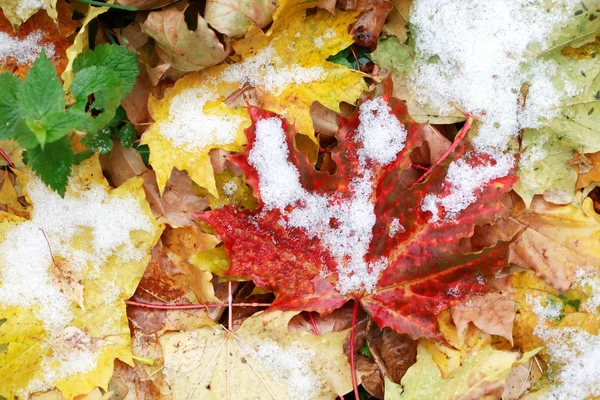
{"points": [[184, 49], [233, 17]]}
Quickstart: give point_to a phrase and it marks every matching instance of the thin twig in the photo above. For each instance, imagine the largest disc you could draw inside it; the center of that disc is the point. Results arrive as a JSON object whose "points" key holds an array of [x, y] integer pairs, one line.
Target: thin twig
{"points": [[191, 306], [7, 158], [461, 134], [352, 339]]}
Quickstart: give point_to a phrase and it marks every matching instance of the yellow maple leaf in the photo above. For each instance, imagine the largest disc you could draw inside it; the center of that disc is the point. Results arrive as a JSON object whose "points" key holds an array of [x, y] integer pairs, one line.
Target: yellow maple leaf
{"points": [[64, 276], [192, 118], [259, 360]]}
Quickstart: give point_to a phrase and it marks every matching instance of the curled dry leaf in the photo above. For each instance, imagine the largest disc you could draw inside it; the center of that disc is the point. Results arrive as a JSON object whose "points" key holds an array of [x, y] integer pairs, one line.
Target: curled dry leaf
{"points": [[184, 49], [369, 376], [393, 352], [261, 359], [40, 32], [179, 198], [233, 17], [367, 28], [136, 102], [122, 164]]}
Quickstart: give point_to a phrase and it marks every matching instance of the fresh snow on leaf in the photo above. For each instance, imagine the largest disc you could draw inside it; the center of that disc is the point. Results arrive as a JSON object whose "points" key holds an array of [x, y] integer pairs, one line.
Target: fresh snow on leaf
{"points": [[382, 137], [25, 50], [189, 127]]}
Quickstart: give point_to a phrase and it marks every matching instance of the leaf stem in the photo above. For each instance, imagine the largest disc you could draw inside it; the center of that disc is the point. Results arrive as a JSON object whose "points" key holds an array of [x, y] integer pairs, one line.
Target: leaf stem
{"points": [[7, 158], [352, 339], [314, 324], [230, 312], [103, 4], [190, 306], [461, 134]]}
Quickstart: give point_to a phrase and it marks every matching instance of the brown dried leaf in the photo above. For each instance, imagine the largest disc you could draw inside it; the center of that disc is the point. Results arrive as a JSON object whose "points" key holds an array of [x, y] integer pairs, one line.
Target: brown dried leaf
{"points": [[121, 164], [177, 45], [68, 280], [325, 121], [337, 321], [367, 29], [367, 372], [234, 17], [394, 353], [396, 23], [493, 313], [136, 102]]}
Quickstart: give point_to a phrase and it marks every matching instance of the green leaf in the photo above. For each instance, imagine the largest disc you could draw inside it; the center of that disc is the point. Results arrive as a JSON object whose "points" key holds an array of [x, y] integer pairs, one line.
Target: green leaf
{"points": [[37, 129], [113, 57], [82, 156], [9, 110], [24, 136], [120, 115], [365, 351], [144, 151], [41, 92], [127, 135], [106, 88], [99, 141], [53, 163], [59, 124]]}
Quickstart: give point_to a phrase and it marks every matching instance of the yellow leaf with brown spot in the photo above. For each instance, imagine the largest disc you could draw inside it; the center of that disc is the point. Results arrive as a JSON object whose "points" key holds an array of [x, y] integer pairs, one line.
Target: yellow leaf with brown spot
{"points": [[192, 118], [261, 359], [65, 274]]}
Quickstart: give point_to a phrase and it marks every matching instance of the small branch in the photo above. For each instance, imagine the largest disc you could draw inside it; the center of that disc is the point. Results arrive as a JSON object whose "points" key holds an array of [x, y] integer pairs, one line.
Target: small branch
{"points": [[191, 306], [103, 4], [7, 158], [461, 134], [352, 339], [314, 324]]}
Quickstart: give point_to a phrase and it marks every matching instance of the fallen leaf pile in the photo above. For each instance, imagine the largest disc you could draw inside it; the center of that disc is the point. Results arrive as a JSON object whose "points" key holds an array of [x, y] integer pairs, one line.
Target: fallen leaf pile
{"points": [[284, 199]]}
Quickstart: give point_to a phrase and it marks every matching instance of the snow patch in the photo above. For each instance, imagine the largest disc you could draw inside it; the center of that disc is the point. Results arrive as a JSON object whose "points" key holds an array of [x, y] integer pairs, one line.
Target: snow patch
{"points": [[291, 366], [188, 126], [89, 215], [26, 50], [319, 41], [395, 228], [269, 72]]}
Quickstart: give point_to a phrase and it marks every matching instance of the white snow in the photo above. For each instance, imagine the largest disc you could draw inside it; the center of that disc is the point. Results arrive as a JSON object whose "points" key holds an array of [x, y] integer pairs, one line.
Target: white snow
{"points": [[28, 5], [291, 366], [189, 127], [465, 180], [229, 188], [319, 41], [26, 50], [396, 227], [477, 54], [574, 353], [269, 72], [354, 215], [85, 228]]}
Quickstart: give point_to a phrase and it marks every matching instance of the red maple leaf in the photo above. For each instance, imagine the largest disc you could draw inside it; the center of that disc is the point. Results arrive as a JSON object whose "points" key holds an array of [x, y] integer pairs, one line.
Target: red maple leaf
{"points": [[424, 270]]}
